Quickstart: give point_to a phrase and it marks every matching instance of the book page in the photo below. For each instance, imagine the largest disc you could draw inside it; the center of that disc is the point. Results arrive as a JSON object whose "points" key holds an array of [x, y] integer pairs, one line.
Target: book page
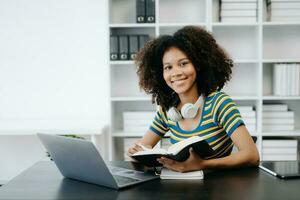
{"points": [[151, 151], [175, 148]]}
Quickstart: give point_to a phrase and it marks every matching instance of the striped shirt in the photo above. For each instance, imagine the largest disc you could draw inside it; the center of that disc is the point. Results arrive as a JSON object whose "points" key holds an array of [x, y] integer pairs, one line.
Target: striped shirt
{"points": [[219, 119]]}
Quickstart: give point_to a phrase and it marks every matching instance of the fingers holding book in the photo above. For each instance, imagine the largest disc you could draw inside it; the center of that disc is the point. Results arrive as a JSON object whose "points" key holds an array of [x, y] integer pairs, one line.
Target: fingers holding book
{"points": [[194, 162]]}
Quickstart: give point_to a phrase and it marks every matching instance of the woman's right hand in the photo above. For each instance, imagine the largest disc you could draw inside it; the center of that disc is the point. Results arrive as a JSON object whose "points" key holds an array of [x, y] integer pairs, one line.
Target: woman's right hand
{"points": [[135, 148]]}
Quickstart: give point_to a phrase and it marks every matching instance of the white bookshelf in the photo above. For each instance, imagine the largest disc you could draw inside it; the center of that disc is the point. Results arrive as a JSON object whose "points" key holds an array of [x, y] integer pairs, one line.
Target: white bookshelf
{"points": [[254, 47]]}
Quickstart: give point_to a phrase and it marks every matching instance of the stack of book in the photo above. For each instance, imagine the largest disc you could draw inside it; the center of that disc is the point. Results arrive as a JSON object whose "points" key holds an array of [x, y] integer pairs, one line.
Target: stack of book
{"points": [[286, 79], [129, 142], [145, 11], [125, 47], [279, 149], [238, 11], [137, 122], [283, 10], [249, 117], [276, 117]]}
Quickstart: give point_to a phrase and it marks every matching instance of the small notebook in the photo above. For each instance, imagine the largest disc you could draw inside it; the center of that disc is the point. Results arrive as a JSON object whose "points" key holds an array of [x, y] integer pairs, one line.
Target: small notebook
{"points": [[169, 174]]}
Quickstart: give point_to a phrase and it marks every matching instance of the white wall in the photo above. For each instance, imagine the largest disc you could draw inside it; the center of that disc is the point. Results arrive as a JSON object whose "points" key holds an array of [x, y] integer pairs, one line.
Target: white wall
{"points": [[53, 66]]}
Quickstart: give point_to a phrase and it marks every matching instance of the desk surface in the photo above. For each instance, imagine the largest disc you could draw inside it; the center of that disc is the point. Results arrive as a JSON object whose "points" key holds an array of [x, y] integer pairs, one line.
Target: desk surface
{"points": [[43, 181]]}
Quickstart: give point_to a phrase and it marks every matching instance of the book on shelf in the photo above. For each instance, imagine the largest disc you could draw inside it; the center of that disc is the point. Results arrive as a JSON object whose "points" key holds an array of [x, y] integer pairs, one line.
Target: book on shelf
{"points": [[285, 12], [245, 108], [279, 157], [278, 127], [133, 46], [284, 5], [275, 107], [248, 114], [150, 11], [278, 114], [277, 143], [169, 174], [114, 47], [279, 121], [140, 11], [279, 150], [285, 19], [238, 13], [239, 19], [178, 151], [238, 1], [123, 47], [137, 122], [238, 5]]}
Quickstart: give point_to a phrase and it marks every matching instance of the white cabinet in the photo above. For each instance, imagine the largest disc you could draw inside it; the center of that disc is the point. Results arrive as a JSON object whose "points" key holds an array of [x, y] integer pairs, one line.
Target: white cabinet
{"points": [[254, 47]]}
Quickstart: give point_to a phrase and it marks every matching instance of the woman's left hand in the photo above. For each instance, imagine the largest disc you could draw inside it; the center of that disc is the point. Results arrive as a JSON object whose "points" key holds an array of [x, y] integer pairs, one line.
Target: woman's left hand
{"points": [[194, 162]]}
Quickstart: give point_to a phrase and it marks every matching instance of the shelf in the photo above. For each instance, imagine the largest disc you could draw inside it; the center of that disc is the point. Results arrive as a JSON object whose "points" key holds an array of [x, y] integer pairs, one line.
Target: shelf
{"points": [[218, 24], [131, 98], [280, 23], [282, 133], [281, 60], [253, 46], [237, 61], [236, 97], [181, 24], [123, 134], [281, 97], [122, 62], [132, 25]]}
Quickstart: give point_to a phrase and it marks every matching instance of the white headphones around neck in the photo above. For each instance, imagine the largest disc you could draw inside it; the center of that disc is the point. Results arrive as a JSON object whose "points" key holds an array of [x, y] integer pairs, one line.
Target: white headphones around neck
{"points": [[188, 111]]}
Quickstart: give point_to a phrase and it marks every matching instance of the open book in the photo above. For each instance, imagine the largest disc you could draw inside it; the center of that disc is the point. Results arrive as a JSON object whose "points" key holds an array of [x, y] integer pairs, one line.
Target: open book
{"points": [[179, 151], [169, 174]]}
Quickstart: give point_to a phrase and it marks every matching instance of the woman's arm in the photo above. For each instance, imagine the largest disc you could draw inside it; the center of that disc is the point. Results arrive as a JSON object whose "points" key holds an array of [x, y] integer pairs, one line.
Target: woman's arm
{"points": [[247, 155], [150, 139]]}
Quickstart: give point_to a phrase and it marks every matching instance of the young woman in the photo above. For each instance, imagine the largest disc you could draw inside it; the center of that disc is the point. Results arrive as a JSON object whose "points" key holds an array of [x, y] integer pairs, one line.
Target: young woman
{"points": [[190, 67]]}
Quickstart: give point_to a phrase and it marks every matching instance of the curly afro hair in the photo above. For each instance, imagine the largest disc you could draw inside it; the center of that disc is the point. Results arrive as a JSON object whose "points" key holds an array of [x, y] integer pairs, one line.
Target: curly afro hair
{"points": [[212, 64]]}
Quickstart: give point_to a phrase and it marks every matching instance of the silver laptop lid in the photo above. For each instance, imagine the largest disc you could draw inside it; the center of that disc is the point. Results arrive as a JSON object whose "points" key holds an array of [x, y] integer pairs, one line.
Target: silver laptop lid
{"points": [[78, 159]]}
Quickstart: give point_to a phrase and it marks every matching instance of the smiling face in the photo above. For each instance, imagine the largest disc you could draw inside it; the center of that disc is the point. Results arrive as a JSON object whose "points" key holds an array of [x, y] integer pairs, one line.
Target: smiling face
{"points": [[179, 72]]}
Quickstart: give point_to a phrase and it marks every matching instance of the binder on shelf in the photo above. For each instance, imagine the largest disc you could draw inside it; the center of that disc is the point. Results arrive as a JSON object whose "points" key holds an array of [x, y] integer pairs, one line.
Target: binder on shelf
{"points": [[123, 47], [142, 40], [150, 11], [133, 46], [140, 11], [114, 47]]}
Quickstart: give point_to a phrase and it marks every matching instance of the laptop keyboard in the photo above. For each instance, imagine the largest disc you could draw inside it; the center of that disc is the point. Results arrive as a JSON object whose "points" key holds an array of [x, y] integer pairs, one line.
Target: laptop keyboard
{"points": [[122, 180]]}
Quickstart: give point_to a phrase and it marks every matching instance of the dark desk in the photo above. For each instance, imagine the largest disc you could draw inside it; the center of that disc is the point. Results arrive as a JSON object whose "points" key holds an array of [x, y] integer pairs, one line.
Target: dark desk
{"points": [[43, 181]]}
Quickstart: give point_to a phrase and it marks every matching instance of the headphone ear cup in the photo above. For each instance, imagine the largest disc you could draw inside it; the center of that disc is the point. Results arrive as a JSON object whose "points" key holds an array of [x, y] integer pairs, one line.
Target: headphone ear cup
{"points": [[174, 114], [189, 111]]}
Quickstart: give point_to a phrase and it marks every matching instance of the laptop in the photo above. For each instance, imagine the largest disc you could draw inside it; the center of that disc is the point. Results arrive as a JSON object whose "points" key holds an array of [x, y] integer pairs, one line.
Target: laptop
{"points": [[79, 159], [282, 169]]}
